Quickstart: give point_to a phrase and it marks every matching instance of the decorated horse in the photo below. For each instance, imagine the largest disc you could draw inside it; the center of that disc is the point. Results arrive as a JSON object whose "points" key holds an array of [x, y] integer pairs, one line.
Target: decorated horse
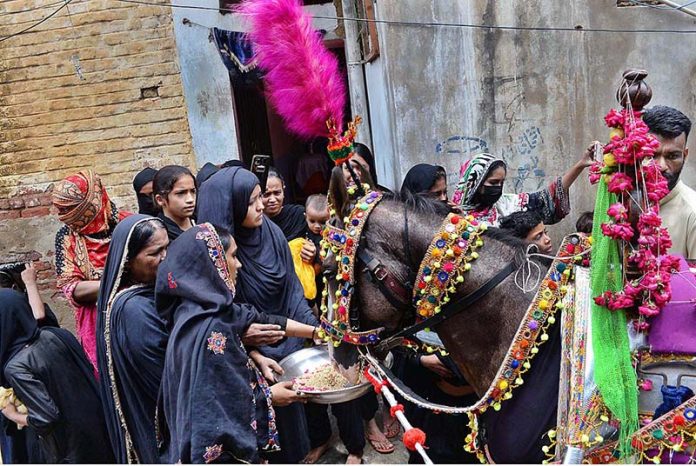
{"points": [[543, 342]]}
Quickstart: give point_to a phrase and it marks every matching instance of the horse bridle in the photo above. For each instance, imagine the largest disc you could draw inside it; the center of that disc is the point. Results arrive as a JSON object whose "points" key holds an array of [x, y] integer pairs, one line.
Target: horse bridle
{"points": [[398, 292]]}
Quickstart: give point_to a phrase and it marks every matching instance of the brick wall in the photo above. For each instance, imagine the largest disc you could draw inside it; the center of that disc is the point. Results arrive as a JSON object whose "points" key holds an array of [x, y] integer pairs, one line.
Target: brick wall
{"points": [[96, 86]]}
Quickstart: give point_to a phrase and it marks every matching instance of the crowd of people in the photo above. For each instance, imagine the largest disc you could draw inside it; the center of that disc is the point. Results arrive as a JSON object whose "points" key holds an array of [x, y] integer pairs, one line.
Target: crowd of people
{"points": [[184, 310]]}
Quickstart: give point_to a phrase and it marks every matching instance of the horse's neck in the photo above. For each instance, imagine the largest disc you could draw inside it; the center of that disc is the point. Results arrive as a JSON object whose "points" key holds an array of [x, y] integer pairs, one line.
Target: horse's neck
{"points": [[479, 337]]}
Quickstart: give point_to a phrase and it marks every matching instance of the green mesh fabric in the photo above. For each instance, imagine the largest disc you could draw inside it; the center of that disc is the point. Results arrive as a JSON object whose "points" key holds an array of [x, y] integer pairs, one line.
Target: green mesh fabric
{"points": [[614, 372]]}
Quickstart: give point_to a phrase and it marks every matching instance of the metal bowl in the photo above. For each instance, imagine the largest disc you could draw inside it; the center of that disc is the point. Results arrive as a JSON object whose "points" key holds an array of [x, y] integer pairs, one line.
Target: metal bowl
{"points": [[308, 359]]}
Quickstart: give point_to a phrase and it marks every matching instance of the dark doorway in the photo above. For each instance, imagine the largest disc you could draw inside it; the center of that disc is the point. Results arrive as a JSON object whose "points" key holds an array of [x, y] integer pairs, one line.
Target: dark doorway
{"points": [[260, 130]]}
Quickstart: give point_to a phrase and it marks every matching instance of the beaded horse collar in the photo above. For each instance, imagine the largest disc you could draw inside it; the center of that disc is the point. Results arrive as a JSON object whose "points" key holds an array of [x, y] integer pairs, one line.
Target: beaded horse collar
{"points": [[344, 245], [531, 334], [447, 258]]}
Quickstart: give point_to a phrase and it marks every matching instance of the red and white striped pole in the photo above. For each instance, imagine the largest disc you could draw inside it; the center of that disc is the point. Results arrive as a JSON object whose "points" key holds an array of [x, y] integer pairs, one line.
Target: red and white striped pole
{"points": [[414, 438]]}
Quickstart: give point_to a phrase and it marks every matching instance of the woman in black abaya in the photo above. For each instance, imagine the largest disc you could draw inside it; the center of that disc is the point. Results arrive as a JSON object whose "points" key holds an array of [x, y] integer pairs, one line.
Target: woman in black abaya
{"points": [[215, 406], [51, 375], [131, 338], [232, 199]]}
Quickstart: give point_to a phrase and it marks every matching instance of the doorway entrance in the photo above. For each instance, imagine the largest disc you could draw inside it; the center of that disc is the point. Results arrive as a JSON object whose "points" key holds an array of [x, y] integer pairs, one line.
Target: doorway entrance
{"points": [[260, 130]]}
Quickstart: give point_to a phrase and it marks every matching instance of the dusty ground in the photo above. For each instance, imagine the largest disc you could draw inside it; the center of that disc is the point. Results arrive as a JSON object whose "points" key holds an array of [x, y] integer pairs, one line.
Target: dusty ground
{"points": [[337, 454]]}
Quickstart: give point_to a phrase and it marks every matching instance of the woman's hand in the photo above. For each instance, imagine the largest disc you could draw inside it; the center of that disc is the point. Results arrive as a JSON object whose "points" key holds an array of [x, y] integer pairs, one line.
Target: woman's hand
{"points": [[585, 161], [308, 252], [284, 395], [11, 413], [433, 363], [262, 334], [29, 275], [588, 157], [268, 367]]}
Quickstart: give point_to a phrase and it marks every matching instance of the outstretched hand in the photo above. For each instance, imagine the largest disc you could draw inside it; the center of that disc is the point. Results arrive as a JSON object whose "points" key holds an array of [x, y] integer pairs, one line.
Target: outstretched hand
{"points": [[433, 363], [588, 157], [284, 395], [262, 334], [268, 367], [29, 274], [308, 252]]}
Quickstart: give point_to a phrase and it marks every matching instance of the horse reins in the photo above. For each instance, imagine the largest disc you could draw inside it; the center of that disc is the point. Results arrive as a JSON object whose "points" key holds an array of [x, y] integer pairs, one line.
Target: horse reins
{"points": [[398, 292]]}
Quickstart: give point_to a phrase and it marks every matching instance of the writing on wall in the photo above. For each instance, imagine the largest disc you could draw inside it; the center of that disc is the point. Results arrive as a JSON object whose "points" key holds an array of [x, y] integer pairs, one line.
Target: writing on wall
{"points": [[522, 157]]}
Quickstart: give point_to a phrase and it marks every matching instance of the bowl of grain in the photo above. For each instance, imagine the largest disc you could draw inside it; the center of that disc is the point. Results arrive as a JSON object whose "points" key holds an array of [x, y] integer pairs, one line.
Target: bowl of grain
{"points": [[313, 374]]}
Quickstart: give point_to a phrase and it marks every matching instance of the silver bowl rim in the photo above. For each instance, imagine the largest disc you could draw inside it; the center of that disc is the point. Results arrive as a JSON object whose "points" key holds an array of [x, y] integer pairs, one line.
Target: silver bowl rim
{"points": [[326, 392]]}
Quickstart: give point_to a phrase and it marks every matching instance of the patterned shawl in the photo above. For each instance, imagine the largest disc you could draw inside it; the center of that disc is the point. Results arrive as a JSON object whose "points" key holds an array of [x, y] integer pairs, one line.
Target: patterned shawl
{"points": [[471, 176]]}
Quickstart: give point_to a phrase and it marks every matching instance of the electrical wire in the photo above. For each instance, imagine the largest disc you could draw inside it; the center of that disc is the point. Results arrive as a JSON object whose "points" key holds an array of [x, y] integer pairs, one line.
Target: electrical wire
{"points": [[65, 3], [33, 9], [433, 24]]}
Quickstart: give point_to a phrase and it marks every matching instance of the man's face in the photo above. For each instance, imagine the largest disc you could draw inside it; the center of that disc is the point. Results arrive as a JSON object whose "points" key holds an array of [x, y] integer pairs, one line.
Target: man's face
{"points": [[670, 157]]}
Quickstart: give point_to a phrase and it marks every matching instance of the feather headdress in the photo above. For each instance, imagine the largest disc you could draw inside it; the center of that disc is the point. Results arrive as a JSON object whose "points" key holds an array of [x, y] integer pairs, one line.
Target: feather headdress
{"points": [[301, 76]]}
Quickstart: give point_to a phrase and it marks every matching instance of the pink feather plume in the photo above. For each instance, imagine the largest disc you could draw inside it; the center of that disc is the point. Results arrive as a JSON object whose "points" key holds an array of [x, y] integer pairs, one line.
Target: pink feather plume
{"points": [[301, 76]]}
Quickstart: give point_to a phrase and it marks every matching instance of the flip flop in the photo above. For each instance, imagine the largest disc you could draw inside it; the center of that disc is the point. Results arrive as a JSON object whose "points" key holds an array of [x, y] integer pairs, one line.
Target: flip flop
{"points": [[375, 442], [392, 429]]}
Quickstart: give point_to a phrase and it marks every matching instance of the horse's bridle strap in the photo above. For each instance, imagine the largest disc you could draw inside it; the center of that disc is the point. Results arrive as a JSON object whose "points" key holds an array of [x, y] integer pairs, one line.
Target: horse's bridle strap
{"points": [[451, 308], [398, 293]]}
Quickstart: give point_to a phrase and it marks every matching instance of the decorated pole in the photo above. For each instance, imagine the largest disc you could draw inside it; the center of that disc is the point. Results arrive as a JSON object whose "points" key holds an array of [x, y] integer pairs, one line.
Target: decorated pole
{"points": [[414, 438], [630, 267]]}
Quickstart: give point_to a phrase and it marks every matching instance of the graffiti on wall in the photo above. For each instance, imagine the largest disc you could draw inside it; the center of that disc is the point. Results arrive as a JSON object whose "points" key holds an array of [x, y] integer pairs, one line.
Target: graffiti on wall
{"points": [[522, 157]]}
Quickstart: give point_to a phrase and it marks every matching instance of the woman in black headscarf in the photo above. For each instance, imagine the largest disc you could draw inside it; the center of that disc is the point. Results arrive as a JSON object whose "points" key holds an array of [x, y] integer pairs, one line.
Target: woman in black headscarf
{"points": [[426, 180], [215, 406], [131, 338], [142, 184], [232, 199], [205, 172], [21, 446], [51, 375], [289, 217]]}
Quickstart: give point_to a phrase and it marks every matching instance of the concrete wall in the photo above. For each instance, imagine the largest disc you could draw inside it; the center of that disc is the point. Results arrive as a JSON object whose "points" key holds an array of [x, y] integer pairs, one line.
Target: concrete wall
{"points": [[72, 96], [537, 99], [206, 81]]}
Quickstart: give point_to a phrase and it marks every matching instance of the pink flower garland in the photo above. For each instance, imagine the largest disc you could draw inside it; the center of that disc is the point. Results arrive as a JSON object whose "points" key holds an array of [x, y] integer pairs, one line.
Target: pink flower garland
{"points": [[630, 146]]}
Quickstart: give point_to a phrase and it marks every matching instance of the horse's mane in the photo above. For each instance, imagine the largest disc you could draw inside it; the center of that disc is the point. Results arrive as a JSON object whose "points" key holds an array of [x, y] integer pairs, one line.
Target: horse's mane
{"points": [[506, 237], [419, 204], [432, 207]]}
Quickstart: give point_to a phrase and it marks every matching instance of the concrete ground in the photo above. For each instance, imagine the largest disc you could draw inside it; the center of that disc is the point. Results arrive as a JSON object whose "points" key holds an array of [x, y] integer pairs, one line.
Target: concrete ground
{"points": [[337, 454]]}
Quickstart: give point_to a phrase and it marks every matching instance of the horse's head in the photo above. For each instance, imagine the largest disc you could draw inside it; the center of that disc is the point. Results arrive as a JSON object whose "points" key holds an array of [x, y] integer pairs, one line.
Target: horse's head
{"points": [[398, 236], [383, 239]]}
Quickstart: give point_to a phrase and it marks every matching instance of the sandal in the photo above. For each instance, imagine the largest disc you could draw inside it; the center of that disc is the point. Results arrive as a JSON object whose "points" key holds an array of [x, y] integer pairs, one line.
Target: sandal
{"points": [[392, 429], [376, 443]]}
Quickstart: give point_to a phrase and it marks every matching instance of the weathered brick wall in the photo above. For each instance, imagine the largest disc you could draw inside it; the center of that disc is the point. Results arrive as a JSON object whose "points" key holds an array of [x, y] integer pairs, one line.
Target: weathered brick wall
{"points": [[96, 86]]}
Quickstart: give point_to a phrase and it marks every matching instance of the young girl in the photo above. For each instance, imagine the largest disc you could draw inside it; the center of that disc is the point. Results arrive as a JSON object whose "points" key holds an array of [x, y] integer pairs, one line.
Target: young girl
{"points": [[174, 188]]}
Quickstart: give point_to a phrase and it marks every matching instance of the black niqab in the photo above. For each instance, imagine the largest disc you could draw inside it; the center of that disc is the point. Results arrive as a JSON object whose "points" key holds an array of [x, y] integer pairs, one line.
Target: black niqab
{"points": [[50, 373], [18, 327], [146, 204], [205, 172]]}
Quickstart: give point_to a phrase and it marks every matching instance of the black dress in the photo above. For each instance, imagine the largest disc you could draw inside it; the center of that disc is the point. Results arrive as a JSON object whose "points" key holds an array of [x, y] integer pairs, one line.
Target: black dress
{"points": [[292, 221], [130, 364], [55, 381], [214, 405], [267, 281]]}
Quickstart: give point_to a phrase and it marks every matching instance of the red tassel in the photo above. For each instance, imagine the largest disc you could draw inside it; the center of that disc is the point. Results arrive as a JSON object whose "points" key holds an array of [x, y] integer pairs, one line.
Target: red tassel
{"points": [[395, 409], [413, 436]]}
